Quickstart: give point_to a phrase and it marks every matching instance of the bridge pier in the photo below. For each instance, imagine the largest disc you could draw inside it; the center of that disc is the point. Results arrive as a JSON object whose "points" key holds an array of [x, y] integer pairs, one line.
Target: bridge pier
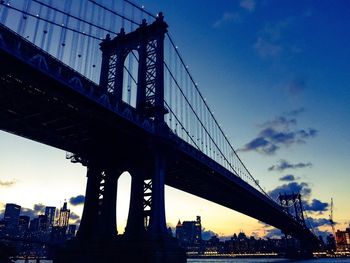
{"points": [[157, 226], [136, 226], [99, 214], [146, 230], [146, 238], [298, 248]]}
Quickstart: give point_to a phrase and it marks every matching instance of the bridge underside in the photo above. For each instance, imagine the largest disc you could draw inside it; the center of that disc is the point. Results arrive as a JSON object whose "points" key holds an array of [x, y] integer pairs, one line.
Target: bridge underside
{"points": [[41, 108]]}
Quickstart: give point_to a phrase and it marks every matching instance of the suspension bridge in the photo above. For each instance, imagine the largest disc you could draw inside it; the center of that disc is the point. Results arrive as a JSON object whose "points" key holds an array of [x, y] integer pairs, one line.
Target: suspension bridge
{"points": [[105, 81]]}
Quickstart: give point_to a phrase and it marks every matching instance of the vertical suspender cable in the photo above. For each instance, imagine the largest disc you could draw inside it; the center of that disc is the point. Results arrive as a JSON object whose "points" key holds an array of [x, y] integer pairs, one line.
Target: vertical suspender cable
{"points": [[46, 26], [123, 12], [75, 38], [23, 18], [187, 112], [65, 20], [50, 33], [82, 39], [170, 90], [37, 24], [87, 53], [181, 101], [4, 12]]}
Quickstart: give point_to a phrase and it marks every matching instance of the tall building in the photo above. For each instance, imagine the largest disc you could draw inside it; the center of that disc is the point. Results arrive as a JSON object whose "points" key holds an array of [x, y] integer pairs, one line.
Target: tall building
{"points": [[63, 216], [34, 225], [11, 216], [23, 224], [189, 233], [42, 223], [50, 214]]}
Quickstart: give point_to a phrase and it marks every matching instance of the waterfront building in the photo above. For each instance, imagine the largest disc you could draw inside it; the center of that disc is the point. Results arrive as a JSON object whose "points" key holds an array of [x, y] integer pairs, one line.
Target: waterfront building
{"points": [[63, 216], [11, 217], [343, 240], [189, 233]]}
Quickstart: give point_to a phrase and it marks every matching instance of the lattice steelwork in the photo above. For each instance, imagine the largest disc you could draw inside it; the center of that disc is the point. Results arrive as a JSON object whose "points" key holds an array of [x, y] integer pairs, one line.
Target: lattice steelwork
{"points": [[112, 71], [147, 201], [151, 76], [292, 204], [101, 193]]}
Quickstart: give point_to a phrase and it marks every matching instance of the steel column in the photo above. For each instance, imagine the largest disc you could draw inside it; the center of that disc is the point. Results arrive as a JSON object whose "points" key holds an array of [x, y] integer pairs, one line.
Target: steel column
{"points": [[99, 214], [90, 213], [135, 226], [157, 227]]}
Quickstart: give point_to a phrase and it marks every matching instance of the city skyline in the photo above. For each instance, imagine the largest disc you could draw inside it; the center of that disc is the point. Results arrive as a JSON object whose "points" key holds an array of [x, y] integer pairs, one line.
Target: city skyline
{"points": [[282, 138]]}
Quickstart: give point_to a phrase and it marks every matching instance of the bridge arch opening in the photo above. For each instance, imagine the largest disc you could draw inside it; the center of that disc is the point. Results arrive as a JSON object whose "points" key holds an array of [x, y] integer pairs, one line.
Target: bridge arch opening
{"points": [[130, 78], [123, 201]]}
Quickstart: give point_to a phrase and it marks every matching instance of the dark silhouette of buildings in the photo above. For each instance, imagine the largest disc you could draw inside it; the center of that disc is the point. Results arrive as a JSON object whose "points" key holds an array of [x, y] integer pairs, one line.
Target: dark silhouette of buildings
{"points": [[32, 237], [189, 237], [23, 225], [189, 233], [11, 217], [343, 240]]}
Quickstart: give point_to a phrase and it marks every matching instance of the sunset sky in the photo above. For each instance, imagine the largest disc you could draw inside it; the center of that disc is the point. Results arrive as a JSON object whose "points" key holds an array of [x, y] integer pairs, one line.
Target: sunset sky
{"points": [[277, 75]]}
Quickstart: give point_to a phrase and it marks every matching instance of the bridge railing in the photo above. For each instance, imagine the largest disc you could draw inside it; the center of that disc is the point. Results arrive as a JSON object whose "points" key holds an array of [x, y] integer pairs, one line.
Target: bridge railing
{"points": [[72, 31]]}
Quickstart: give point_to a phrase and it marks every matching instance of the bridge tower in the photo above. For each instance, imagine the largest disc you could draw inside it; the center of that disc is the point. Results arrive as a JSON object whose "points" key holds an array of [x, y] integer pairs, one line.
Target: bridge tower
{"points": [[146, 237], [292, 205]]}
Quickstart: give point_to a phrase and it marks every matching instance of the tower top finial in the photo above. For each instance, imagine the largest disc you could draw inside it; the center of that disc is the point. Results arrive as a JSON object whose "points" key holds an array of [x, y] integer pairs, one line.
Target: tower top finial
{"points": [[160, 16], [122, 32], [179, 224]]}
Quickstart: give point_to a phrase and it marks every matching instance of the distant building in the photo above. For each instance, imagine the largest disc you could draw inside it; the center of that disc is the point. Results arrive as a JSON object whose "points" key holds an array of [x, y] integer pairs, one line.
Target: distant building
{"points": [[2, 228], [58, 234], [34, 225], [63, 216], [23, 224], [343, 240], [71, 231], [42, 223], [50, 214], [189, 233], [11, 216]]}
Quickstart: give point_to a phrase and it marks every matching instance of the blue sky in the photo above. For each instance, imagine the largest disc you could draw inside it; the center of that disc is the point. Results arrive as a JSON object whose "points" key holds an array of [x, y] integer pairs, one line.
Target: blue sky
{"points": [[276, 74]]}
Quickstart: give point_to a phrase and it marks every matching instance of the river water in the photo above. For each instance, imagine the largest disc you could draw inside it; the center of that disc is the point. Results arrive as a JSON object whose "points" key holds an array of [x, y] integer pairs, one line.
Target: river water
{"points": [[266, 260], [241, 260]]}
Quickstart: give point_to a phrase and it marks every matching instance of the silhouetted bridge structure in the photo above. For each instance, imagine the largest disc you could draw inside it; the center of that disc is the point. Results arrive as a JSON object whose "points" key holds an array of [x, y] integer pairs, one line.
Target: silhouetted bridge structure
{"points": [[134, 108]]}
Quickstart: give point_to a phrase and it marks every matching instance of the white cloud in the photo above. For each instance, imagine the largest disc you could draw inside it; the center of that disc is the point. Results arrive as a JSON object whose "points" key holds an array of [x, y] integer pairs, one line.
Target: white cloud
{"points": [[227, 18], [266, 48], [248, 5], [270, 40], [7, 183]]}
